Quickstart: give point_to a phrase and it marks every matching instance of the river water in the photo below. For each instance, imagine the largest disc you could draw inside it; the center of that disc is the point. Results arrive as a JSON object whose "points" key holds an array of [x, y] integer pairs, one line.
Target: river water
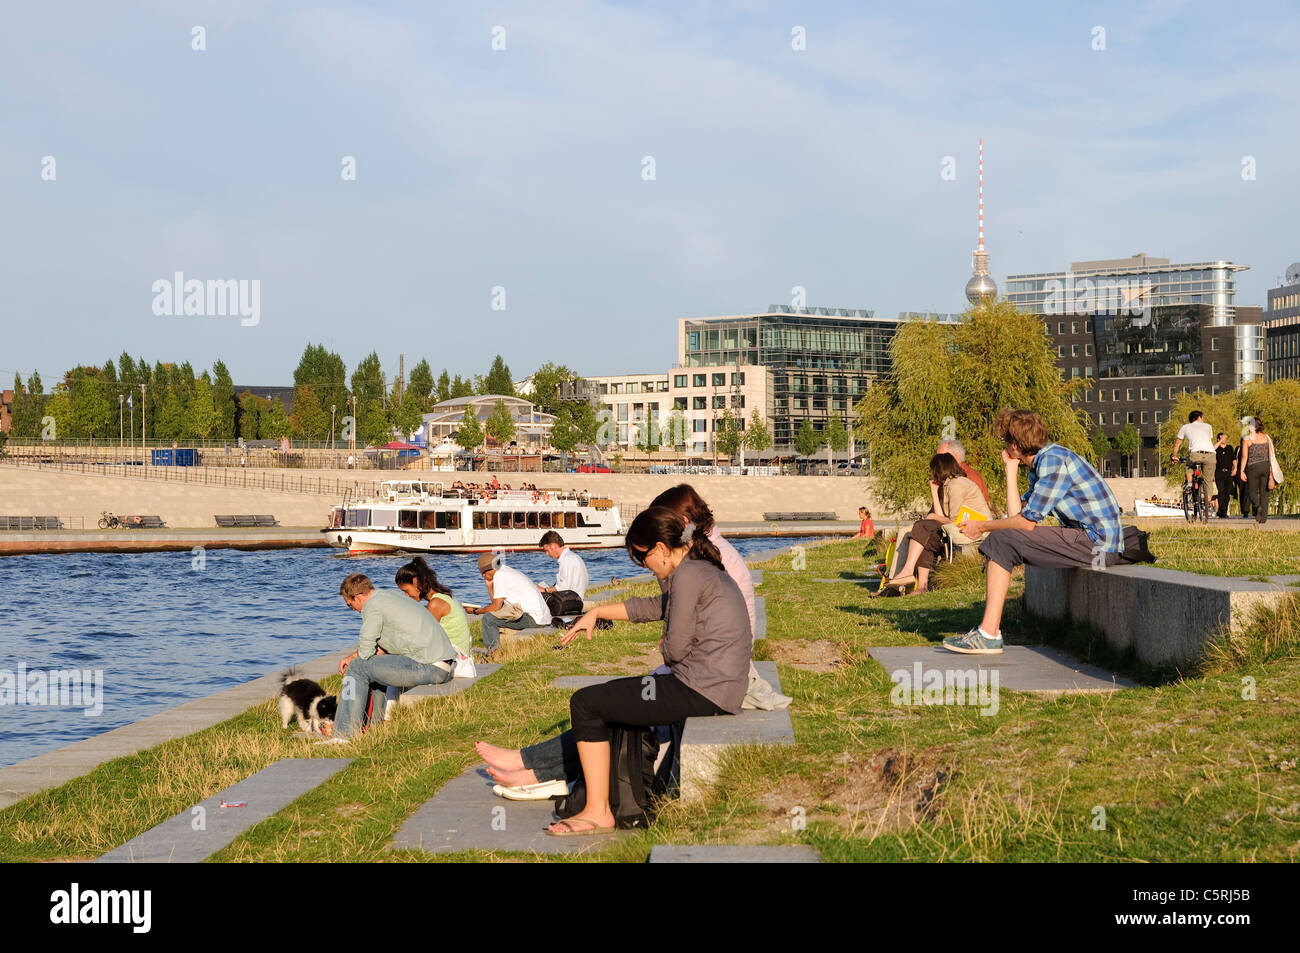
{"points": [[162, 629]]}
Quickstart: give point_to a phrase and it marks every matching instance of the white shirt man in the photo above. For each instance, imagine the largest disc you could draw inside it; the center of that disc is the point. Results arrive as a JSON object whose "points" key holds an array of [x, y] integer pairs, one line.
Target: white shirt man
{"points": [[1200, 440], [570, 570]]}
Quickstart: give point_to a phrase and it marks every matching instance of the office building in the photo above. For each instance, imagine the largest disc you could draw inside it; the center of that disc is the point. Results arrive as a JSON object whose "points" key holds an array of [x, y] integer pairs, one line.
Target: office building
{"points": [[1282, 327]]}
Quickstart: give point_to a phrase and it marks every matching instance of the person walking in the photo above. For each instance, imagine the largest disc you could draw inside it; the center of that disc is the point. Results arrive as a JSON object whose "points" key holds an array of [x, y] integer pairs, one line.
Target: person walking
{"points": [[1224, 456], [1261, 472]]}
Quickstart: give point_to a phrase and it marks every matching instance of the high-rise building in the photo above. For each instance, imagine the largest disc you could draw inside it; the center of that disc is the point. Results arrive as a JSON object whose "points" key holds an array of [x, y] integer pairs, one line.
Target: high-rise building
{"points": [[1145, 331], [1282, 326]]}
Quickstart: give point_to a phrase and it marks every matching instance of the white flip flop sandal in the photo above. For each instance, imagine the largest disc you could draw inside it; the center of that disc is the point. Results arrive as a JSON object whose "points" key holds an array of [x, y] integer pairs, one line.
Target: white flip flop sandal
{"points": [[541, 791]]}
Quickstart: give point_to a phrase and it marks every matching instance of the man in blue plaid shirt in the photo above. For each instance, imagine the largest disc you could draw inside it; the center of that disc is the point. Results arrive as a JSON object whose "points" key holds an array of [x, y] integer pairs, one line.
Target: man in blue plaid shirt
{"points": [[1061, 484]]}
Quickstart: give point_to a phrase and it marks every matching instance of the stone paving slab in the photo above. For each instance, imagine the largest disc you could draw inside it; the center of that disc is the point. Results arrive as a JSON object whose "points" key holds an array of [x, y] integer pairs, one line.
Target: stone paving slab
{"points": [[1021, 668], [732, 854], [265, 793], [756, 576], [53, 768], [760, 617], [466, 815], [454, 687]]}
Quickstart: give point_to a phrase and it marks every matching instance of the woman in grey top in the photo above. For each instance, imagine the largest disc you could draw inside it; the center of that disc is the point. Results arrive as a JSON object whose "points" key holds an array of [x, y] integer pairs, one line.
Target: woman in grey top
{"points": [[706, 642]]}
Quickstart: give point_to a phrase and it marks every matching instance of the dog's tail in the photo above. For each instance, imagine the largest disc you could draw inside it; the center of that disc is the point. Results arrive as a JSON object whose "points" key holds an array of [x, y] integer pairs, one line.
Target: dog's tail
{"points": [[290, 675]]}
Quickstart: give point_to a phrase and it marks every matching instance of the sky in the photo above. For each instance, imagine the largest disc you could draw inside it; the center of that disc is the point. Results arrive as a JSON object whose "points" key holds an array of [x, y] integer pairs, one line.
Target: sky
{"points": [[564, 181]]}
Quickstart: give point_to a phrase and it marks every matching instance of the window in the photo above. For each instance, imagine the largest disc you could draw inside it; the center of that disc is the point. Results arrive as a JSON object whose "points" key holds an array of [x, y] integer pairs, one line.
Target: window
{"points": [[679, 403], [570, 520], [738, 400], [1087, 350], [1157, 393], [532, 519], [1087, 327], [1101, 396], [407, 519], [1074, 350], [1087, 371], [1145, 392], [719, 401], [1074, 372], [1130, 417], [1101, 420], [1214, 344], [737, 377], [1130, 395], [699, 426], [1060, 328], [697, 380], [1157, 416], [480, 521], [1074, 327], [719, 380], [1144, 416], [1060, 350], [1214, 367], [1214, 389], [1114, 418], [699, 403], [1114, 395], [679, 380]]}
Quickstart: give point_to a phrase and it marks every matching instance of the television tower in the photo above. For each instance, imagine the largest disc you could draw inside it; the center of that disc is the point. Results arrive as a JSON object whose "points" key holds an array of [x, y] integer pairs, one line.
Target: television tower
{"points": [[981, 286]]}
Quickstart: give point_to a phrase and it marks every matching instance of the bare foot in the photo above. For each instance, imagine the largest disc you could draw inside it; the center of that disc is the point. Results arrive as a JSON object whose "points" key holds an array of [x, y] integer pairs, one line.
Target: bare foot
{"points": [[506, 759], [605, 820], [512, 779]]}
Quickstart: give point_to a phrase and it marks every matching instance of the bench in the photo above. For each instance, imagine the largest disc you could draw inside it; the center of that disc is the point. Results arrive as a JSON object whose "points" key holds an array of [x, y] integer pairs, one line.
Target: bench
{"points": [[145, 522], [790, 517], [1164, 616], [230, 522], [704, 740], [30, 522]]}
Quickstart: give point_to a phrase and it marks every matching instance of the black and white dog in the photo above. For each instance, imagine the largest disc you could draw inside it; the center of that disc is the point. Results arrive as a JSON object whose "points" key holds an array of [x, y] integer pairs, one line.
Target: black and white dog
{"points": [[305, 699]]}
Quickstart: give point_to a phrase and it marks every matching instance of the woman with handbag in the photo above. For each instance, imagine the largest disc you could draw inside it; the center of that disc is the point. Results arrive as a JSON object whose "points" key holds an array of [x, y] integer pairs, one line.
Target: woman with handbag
{"points": [[1261, 472]]}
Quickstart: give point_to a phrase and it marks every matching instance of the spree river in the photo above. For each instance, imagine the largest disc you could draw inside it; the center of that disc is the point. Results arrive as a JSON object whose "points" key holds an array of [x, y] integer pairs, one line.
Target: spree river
{"points": [[162, 630]]}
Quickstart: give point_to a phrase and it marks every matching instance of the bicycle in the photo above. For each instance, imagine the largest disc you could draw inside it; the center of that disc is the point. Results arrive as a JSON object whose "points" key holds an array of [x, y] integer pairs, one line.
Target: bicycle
{"points": [[1196, 498], [107, 520]]}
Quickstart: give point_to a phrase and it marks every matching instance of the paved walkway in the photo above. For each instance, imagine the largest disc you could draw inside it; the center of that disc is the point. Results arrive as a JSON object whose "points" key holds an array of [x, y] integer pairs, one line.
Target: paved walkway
{"points": [[1021, 668]]}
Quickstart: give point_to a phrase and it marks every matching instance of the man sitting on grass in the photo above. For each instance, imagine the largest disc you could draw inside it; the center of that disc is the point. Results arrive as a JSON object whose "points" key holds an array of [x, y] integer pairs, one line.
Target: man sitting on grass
{"points": [[1061, 484], [401, 644]]}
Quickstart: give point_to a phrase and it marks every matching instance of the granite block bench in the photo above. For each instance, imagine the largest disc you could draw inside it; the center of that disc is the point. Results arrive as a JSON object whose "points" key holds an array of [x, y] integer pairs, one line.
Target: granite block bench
{"points": [[782, 517], [1165, 617], [446, 689], [704, 740]]}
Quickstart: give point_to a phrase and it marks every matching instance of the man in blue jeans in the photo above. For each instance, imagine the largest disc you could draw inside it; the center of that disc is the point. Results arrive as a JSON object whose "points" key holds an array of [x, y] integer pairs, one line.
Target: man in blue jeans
{"points": [[401, 644]]}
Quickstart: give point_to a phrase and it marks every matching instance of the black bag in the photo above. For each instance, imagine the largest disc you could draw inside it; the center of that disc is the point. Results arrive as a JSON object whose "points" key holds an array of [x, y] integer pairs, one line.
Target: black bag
{"points": [[563, 602], [1135, 546], [632, 788]]}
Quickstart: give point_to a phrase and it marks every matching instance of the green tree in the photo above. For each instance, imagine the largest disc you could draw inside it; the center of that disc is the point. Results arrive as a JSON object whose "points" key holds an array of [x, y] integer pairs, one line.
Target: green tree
{"points": [[34, 408], [1127, 442], [470, 433], [546, 385], [223, 401], [274, 422], [202, 419], [1100, 447], [498, 380], [90, 408], [676, 435], [953, 379], [309, 420], [59, 407], [251, 409], [501, 426], [408, 415], [323, 371], [836, 436], [565, 433], [727, 438], [807, 440], [757, 438], [649, 436], [443, 389], [421, 388], [461, 388]]}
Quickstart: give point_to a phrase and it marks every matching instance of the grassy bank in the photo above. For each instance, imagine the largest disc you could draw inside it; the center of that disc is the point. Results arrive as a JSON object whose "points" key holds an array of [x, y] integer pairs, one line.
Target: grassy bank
{"points": [[1190, 770]]}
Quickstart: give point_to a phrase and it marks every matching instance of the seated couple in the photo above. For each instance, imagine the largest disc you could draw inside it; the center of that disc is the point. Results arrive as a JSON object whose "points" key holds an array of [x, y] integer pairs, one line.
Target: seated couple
{"points": [[402, 644], [1061, 484], [516, 602], [952, 495]]}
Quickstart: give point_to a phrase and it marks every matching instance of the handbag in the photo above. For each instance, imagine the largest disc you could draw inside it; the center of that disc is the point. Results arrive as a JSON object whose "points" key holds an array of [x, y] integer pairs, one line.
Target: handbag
{"points": [[1275, 471], [508, 612]]}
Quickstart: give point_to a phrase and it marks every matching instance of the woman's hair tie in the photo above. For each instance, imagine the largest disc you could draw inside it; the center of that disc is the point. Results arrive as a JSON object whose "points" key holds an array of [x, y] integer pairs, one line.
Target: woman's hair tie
{"points": [[688, 532]]}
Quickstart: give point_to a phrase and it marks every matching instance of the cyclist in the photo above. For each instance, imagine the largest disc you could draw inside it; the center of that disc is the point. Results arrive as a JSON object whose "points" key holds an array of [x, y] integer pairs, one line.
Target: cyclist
{"points": [[1200, 448]]}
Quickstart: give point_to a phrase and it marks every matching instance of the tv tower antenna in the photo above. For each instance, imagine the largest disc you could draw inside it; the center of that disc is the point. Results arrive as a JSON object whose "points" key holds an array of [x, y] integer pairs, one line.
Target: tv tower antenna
{"points": [[981, 286]]}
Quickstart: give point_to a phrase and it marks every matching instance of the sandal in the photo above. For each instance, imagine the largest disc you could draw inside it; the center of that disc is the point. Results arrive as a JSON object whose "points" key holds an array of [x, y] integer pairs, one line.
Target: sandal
{"points": [[585, 832]]}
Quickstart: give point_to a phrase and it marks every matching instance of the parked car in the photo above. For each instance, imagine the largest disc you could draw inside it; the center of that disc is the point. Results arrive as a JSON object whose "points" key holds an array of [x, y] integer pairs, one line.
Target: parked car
{"points": [[594, 468]]}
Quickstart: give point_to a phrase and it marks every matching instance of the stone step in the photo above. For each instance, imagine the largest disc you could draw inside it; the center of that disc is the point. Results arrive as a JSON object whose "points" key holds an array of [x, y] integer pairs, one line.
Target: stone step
{"points": [[760, 617], [454, 687], [195, 834], [732, 854], [1020, 668]]}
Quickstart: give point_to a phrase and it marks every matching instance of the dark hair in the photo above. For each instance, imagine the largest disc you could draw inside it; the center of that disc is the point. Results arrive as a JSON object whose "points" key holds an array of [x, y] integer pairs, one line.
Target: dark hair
{"points": [[1259, 426], [1221, 434], [943, 467], [659, 524], [550, 536], [1194, 416], [425, 579], [689, 505]]}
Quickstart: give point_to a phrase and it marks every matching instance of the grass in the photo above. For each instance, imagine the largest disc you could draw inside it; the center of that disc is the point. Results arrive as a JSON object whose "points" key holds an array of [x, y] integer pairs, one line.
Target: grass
{"points": [[1202, 768]]}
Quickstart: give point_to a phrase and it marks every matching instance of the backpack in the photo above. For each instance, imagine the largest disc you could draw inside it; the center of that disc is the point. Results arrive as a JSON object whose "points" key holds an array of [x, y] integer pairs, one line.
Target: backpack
{"points": [[564, 602], [632, 788]]}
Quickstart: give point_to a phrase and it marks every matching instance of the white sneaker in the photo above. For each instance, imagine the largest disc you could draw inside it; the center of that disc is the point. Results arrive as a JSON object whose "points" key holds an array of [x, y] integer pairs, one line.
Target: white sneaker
{"points": [[541, 791]]}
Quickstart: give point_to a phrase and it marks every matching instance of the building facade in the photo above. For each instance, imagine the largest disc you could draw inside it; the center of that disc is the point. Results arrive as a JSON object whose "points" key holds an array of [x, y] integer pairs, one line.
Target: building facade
{"points": [[532, 426], [1282, 327], [1143, 331]]}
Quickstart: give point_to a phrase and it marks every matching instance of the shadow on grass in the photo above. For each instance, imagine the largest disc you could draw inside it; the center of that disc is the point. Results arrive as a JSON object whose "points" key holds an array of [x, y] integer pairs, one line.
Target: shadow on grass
{"points": [[932, 624]]}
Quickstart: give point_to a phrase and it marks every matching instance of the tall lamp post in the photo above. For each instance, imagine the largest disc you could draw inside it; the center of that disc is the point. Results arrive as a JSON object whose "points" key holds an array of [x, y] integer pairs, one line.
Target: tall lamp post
{"points": [[144, 456], [121, 430]]}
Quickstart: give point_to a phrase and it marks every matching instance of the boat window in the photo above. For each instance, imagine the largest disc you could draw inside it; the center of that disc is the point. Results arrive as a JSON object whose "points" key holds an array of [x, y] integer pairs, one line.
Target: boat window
{"points": [[519, 521], [430, 521], [532, 520], [582, 521], [570, 520], [544, 520], [442, 519], [453, 520], [491, 519], [479, 522], [337, 519], [408, 519], [358, 518]]}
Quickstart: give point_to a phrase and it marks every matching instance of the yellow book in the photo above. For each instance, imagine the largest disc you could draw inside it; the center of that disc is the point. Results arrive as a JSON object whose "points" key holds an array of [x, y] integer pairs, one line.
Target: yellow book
{"points": [[966, 513]]}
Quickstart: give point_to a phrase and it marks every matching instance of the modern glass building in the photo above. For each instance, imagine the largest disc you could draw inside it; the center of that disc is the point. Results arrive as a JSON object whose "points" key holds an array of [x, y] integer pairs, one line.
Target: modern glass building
{"points": [[1282, 325], [817, 361]]}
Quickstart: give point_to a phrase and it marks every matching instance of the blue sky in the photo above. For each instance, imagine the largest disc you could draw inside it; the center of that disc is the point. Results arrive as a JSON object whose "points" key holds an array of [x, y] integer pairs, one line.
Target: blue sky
{"points": [[522, 167]]}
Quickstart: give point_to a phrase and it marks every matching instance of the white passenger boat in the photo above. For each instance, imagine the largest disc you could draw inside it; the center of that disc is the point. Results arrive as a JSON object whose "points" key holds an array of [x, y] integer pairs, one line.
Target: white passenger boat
{"points": [[1158, 507], [421, 516]]}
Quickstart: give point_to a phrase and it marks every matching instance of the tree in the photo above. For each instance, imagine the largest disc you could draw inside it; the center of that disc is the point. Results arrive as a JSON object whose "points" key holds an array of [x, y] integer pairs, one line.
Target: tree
{"points": [[420, 387], [727, 438], [1100, 447], [807, 441], [324, 371], [836, 436], [274, 421], [952, 380], [648, 437], [309, 420], [408, 416], [202, 419], [565, 433], [1127, 442], [501, 426], [251, 408], [757, 438], [546, 385], [677, 429], [461, 388], [443, 389], [498, 380], [223, 401], [470, 433], [89, 404]]}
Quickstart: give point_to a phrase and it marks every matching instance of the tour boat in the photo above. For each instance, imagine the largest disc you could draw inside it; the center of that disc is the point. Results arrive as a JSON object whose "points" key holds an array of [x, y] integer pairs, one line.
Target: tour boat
{"points": [[419, 516], [1158, 507]]}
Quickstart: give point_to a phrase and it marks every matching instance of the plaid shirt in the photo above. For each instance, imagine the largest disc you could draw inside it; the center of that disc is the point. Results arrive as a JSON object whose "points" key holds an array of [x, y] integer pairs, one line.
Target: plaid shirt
{"points": [[1063, 484]]}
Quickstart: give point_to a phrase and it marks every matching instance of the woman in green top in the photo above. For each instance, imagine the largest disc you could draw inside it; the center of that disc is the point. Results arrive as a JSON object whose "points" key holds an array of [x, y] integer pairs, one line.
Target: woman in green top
{"points": [[418, 580]]}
